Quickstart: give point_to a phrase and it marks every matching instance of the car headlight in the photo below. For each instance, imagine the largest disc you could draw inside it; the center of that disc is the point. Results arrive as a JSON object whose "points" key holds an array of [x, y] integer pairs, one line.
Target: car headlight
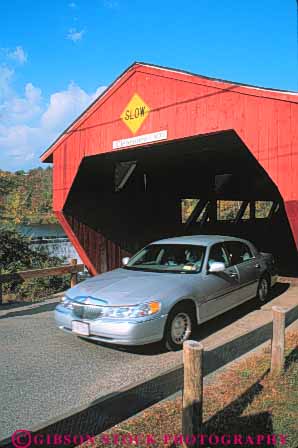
{"points": [[121, 312], [66, 302]]}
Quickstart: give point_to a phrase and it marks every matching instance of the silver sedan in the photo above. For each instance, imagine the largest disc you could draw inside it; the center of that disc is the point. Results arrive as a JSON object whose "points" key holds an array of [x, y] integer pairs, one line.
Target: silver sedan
{"points": [[166, 289]]}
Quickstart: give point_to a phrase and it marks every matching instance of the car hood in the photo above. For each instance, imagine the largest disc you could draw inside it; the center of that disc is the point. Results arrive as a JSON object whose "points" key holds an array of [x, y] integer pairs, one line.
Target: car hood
{"points": [[129, 287]]}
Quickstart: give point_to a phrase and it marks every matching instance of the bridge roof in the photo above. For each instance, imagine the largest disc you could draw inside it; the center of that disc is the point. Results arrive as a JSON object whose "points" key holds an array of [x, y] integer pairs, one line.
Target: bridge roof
{"points": [[182, 75]]}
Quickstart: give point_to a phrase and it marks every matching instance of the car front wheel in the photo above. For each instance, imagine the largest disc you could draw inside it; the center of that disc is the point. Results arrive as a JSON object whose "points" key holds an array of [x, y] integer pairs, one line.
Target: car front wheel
{"points": [[179, 327]]}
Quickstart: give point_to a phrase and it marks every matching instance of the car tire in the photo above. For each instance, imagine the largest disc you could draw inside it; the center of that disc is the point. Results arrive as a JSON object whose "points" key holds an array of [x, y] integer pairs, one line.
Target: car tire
{"points": [[179, 326], [263, 289]]}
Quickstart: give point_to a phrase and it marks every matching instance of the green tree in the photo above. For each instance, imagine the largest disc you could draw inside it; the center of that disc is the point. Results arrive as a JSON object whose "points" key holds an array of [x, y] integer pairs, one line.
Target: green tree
{"points": [[15, 255]]}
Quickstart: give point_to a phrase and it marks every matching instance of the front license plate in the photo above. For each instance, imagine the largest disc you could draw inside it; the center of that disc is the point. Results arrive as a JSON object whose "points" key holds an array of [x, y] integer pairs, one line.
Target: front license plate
{"points": [[80, 328]]}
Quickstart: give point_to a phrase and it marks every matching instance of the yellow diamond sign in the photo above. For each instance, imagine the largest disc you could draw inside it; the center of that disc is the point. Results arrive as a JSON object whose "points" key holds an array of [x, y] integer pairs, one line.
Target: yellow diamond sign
{"points": [[135, 113]]}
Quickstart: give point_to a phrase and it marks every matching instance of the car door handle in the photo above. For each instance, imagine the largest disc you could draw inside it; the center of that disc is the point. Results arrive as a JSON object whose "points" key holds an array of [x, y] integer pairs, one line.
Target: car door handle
{"points": [[258, 266], [233, 274]]}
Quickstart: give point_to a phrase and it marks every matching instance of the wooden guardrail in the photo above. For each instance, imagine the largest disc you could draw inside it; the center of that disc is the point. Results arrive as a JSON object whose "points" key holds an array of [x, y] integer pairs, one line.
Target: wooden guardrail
{"points": [[278, 340], [192, 400], [193, 360], [73, 268]]}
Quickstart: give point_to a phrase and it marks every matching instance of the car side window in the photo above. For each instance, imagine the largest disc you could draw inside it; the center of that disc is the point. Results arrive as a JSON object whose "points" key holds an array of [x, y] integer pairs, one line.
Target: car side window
{"points": [[238, 252], [218, 254]]}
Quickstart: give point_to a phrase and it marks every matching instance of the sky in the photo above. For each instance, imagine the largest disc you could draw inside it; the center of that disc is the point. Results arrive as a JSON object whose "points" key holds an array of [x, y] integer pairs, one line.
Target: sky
{"points": [[56, 57]]}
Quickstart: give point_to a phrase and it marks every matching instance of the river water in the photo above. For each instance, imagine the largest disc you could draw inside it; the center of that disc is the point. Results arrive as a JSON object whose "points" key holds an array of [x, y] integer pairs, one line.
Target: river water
{"points": [[51, 239], [61, 249]]}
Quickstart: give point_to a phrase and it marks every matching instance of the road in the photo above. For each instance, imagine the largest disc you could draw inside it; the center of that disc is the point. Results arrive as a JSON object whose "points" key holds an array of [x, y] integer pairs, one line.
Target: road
{"points": [[45, 372]]}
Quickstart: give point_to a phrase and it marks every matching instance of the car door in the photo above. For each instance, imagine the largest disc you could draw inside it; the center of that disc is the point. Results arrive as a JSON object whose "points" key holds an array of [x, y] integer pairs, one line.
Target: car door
{"points": [[242, 258], [219, 288]]}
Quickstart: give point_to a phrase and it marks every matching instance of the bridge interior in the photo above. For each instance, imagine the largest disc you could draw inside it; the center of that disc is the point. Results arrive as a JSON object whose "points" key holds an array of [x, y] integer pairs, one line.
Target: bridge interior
{"points": [[206, 184]]}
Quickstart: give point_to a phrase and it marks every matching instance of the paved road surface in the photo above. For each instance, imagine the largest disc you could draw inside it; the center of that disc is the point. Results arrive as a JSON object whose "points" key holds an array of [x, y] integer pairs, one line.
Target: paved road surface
{"points": [[45, 372]]}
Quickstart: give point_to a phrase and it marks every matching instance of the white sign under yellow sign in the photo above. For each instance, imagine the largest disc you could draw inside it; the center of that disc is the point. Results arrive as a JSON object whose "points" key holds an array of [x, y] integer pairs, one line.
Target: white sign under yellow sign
{"points": [[140, 139]]}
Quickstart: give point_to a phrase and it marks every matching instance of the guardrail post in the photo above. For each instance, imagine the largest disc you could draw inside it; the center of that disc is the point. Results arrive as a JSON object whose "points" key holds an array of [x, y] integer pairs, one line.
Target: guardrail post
{"points": [[74, 275], [192, 404], [1, 298], [278, 340]]}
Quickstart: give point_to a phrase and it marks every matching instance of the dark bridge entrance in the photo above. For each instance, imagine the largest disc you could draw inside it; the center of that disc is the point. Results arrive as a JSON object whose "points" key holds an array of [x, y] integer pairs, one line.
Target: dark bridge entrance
{"points": [[208, 184]]}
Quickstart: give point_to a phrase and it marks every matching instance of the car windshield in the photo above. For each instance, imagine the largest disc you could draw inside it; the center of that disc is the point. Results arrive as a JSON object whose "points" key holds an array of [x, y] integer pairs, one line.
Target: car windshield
{"points": [[175, 258]]}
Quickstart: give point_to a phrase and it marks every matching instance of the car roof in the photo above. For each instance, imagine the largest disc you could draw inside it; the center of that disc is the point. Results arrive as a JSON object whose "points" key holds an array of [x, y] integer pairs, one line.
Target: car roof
{"points": [[203, 240]]}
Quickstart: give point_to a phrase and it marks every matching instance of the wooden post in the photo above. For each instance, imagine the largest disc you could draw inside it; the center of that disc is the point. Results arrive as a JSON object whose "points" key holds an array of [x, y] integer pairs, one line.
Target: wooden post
{"points": [[192, 412], [74, 275], [278, 340], [1, 292]]}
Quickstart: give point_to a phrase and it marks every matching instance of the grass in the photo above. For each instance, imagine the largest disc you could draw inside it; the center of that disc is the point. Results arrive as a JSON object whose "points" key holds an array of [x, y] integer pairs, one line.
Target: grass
{"points": [[243, 399]]}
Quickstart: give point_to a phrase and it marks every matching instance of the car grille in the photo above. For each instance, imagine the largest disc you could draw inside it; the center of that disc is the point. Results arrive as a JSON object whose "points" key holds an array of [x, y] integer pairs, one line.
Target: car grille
{"points": [[87, 311]]}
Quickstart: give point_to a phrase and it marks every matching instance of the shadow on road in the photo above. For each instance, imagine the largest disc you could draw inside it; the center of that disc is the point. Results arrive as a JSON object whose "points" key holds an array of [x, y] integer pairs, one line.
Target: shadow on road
{"points": [[278, 289], [41, 308], [206, 329]]}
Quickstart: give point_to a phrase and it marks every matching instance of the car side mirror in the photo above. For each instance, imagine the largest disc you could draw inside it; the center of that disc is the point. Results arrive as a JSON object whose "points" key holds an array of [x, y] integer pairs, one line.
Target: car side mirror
{"points": [[125, 260], [217, 266]]}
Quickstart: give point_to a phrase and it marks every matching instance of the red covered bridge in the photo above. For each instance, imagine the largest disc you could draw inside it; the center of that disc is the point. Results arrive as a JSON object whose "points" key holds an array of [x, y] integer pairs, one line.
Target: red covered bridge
{"points": [[158, 136]]}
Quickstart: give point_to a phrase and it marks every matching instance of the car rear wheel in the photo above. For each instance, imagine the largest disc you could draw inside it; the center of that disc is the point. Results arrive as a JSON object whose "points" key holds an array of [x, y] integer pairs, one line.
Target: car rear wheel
{"points": [[263, 289], [179, 327]]}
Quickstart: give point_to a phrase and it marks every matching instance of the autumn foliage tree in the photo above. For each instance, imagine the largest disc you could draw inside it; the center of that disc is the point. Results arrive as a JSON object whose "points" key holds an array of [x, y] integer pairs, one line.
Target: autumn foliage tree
{"points": [[26, 198]]}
